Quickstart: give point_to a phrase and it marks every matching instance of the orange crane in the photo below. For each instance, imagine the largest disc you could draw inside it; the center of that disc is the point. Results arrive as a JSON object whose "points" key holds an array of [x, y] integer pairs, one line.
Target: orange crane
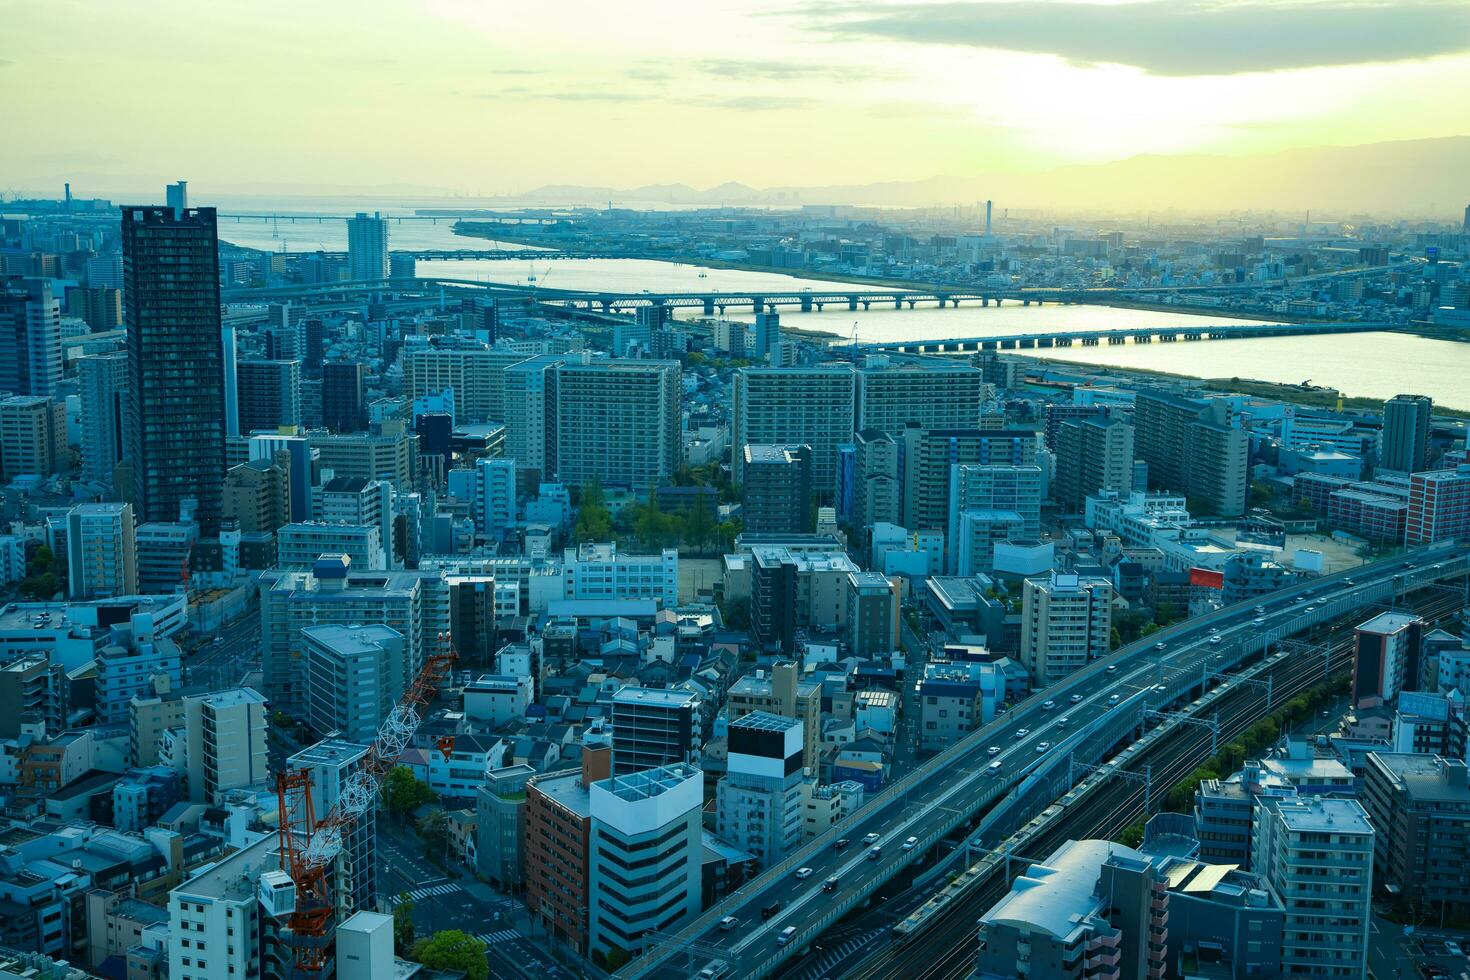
{"points": [[307, 854]]}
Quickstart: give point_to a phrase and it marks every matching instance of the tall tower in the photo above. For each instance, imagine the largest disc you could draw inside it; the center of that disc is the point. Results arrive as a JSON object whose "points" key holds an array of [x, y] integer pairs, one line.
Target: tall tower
{"points": [[367, 246], [176, 196], [30, 339], [1405, 433], [175, 447]]}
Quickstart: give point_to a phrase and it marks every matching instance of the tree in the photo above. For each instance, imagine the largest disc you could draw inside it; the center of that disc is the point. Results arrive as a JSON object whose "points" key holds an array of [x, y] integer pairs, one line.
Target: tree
{"points": [[403, 925], [433, 827], [594, 520], [403, 792], [453, 950], [699, 526], [1132, 835]]}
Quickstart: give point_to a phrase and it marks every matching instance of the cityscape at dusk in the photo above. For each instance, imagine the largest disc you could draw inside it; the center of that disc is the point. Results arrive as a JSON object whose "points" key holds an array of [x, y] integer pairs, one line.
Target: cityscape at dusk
{"points": [[956, 490]]}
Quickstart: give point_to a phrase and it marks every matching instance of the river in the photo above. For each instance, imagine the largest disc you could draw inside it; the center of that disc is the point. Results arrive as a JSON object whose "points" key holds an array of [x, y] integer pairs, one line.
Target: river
{"points": [[1374, 365]]}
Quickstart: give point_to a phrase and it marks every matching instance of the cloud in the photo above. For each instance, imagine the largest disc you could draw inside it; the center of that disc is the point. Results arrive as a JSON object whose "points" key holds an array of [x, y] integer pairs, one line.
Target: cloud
{"points": [[755, 103], [1172, 37], [785, 70]]}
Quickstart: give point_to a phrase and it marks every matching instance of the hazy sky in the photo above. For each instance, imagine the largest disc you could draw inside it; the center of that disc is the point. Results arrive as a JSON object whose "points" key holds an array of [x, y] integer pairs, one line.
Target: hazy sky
{"points": [[488, 96]]}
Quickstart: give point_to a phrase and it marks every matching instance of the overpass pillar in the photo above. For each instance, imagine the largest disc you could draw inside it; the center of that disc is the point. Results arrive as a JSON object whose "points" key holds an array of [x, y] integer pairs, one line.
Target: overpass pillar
{"points": [[806, 303], [898, 303], [709, 306], [606, 305], [852, 302], [758, 304]]}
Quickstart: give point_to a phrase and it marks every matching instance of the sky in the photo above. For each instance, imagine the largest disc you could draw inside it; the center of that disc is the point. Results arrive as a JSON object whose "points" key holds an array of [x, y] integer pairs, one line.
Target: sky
{"points": [[488, 97]]}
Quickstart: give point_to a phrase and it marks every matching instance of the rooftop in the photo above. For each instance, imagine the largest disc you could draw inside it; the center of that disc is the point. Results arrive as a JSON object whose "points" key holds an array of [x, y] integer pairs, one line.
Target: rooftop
{"points": [[1424, 778], [1389, 622], [650, 783], [1057, 897], [766, 722], [1322, 815]]}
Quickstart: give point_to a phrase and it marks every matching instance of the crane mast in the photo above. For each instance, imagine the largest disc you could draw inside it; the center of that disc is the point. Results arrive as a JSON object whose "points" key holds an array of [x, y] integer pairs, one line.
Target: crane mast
{"points": [[309, 846]]}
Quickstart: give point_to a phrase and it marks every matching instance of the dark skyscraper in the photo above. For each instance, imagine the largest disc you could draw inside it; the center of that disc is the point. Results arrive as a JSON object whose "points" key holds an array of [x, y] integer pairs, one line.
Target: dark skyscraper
{"points": [[175, 447], [1405, 433], [342, 409]]}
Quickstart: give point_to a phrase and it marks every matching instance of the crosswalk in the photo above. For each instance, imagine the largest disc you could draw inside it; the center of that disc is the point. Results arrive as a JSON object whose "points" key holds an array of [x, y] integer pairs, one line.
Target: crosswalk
{"points": [[504, 935], [419, 894]]}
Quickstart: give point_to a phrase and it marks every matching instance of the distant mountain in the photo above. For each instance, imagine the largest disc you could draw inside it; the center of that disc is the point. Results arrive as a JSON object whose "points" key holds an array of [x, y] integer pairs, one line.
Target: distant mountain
{"points": [[1407, 177]]}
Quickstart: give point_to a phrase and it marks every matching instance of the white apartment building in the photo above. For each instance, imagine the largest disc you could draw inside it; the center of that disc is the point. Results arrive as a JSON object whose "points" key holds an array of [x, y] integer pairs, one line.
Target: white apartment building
{"points": [[618, 422], [224, 737], [350, 676], [1066, 623], [101, 551], [813, 406], [216, 923], [597, 571]]}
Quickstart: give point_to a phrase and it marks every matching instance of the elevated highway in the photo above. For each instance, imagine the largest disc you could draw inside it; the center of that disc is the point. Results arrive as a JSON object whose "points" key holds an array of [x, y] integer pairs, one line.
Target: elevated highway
{"points": [[1009, 777]]}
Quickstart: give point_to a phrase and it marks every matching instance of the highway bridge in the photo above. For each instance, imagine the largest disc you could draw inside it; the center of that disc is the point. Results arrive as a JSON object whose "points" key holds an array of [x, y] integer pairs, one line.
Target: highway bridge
{"points": [[1010, 771], [1137, 335]]}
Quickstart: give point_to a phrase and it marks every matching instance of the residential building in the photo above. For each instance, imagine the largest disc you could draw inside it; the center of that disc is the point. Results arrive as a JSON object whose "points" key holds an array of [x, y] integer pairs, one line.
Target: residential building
{"points": [[777, 490], [1092, 455], [30, 339], [654, 727], [1406, 424], [32, 436], [1317, 854], [331, 763], [366, 456], [102, 380], [1419, 806], [618, 422], [174, 449], [935, 394], [1223, 919], [781, 692], [134, 666], [500, 826], [556, 861], [217, 925], [877, 483], [1191, 447], [759, 803], [811, 406], [367, 247], [344, 408], [100, 307], [495, 497], [530, 412], [474, 374], [224, 736], [929, 457], [873, 615], [1094, 909], [1386, 657], [1439, 506], [101, 551], [298, 546], [351, 672], [1067, 622], [496, 700], [598, 571], [645, 856], [990, 503]]}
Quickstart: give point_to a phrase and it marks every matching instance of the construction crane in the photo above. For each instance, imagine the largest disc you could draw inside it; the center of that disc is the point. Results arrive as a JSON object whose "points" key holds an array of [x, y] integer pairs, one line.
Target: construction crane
{"points": [[309, 846]]}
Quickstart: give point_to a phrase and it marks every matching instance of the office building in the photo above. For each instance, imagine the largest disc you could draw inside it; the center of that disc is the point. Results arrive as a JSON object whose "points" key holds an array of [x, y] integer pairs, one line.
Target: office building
{"points": [[176, 196], [1066, 623], [777, 489], [343, 405], [1419, 806], [1092, 455], [299, 545], [367, 247], [649, 821], [654, 727], [759, 803], [618, 422], [30, 338], [928, 459], [812, 406], [1317, 854], [990, 503], [500, 826], [415, 605], [1191, 447], [32, 437], [598, 571], [1406, 423], [1439, 506], [102, 380], [101, 551], [877, 482], [176, 379], [100, 307], [1386, 658], [782, 692], [224, 736], [1094, 909], [331, 763], [366, 456], [268, 394], [873, 618], [937, 394], [351, 672], [476, 375], [557, 850]]}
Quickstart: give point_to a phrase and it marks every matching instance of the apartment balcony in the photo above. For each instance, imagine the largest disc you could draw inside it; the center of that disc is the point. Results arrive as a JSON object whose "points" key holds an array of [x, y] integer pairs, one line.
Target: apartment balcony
{"points": [[1099, 961], [1159, 904]]}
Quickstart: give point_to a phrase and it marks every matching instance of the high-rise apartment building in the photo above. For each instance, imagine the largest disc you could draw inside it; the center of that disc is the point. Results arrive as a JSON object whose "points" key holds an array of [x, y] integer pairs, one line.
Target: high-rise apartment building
{"points": [[30, 339], [618, 422], [268, 394], [1191, 447], [759, 803], [1092, 455], [929, 456], [331, 762], [1406, 422], [1066, 623], [1439, 506], [813, 406], [937, 394], [495, 496], [257, 496], [218, 914], [767, 337], [872, 621], [224, 735], [476, 375], [654, 727], [1386, 656], [101, 551], [100, 306], [103, 383], [877, 481], [557, 852], [367, 247], [987, 504], [343, 407], [777, 489], [351, 671], [1420, 807], [649, 821], [32, 436], [386, 455], [175, 447], [529, 407], [1317, 853]]}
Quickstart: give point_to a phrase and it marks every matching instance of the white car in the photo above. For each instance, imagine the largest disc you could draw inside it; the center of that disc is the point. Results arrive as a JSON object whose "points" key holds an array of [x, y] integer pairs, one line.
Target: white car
{"points": [[911, 843], [1160, 646], [993, 750], [1217, 639], [1112, 668], [1048, 705], [1076, 699], [1022, 733], [803, 872], [1042, 746], [1113, 699]]}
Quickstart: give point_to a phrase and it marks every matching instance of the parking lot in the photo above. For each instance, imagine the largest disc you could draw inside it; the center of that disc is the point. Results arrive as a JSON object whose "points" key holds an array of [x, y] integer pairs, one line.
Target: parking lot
{"points": [[1424, 954]]}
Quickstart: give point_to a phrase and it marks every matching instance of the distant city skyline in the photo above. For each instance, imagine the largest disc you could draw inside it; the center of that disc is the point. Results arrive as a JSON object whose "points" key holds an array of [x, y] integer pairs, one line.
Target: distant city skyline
{"points": [[481, 99]]}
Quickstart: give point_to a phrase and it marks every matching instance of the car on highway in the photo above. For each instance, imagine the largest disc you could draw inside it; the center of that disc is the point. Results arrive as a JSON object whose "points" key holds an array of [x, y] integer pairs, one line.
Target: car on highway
{"points": [[993, 750], [1063, 721], [1042, 746], [1451, 947], [1113, 699], [1217, 639], [841, 843], [1259, 621], [728, 923], [1260, 610], [875, 853], [1214, 629], [787, 934], [830, 885], [870, 839], [1022, 733], [1048, 705], [713, 972], [803, 873], [911, 843], [1076, 699], [1161, 646], [1112, 668], [994, 768], [769, 912]]}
